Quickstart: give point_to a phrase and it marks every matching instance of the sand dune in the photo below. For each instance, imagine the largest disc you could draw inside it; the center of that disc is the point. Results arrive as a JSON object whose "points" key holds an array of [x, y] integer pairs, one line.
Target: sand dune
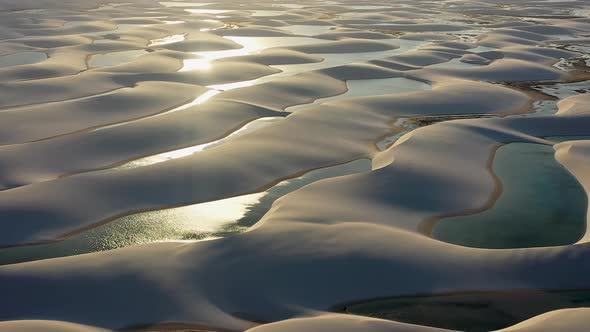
{"points": [[342, 323], [202, 42], [37, 122], [577, 105], [362, 118], [574, 156], [474, 115], [29, 163], [201, 295], [283, 92], [503, 70], [570, 320], [40, 325], [277, 57], [346, 46]]}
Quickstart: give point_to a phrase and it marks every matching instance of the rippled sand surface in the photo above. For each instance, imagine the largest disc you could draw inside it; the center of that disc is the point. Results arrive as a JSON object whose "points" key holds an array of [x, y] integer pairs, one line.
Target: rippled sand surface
{"points": [[294, 166]]}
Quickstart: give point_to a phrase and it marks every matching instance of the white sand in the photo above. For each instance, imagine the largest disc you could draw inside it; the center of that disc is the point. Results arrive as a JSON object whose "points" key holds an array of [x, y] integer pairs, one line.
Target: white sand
{"points": [[99, 84]]}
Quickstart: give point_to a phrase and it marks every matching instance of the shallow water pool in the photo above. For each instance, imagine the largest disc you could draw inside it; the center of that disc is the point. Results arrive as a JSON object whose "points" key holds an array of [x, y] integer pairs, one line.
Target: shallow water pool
{"points": [[22, 58], [541, 204], [194, 222], [114, 58]]}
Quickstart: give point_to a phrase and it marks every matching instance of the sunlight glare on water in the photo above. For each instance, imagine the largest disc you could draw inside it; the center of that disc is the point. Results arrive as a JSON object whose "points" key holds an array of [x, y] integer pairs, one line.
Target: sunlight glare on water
{"points": [[250, 127], [206, 11], [236, 85], [184, 4], [167, 40], [207, 217], [199, 100], [250, 45]]}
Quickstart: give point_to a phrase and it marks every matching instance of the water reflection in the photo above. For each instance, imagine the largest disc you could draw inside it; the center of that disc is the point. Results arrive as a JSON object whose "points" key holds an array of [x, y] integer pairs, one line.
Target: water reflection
{"points": [[22, 58], [368, 7], [167, 40], [195, 222], [265, 13], [237, 85], [563, 90], [114, 58], [199, 100], [541, 204], [330, 60], [371, 87], [339, 59], [248, 128], [184, 4], [206, 11], [307, 30], [250, 45], [202, 64]]}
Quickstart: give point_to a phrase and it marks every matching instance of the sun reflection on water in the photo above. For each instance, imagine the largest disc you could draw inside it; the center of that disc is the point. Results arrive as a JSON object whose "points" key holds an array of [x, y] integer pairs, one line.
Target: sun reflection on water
{"points": [[201, 64], [207, 217], [199, 100], [236, 85], [208, 220], [162, 157], [250, 45], [167, 40], [206, 11]]}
